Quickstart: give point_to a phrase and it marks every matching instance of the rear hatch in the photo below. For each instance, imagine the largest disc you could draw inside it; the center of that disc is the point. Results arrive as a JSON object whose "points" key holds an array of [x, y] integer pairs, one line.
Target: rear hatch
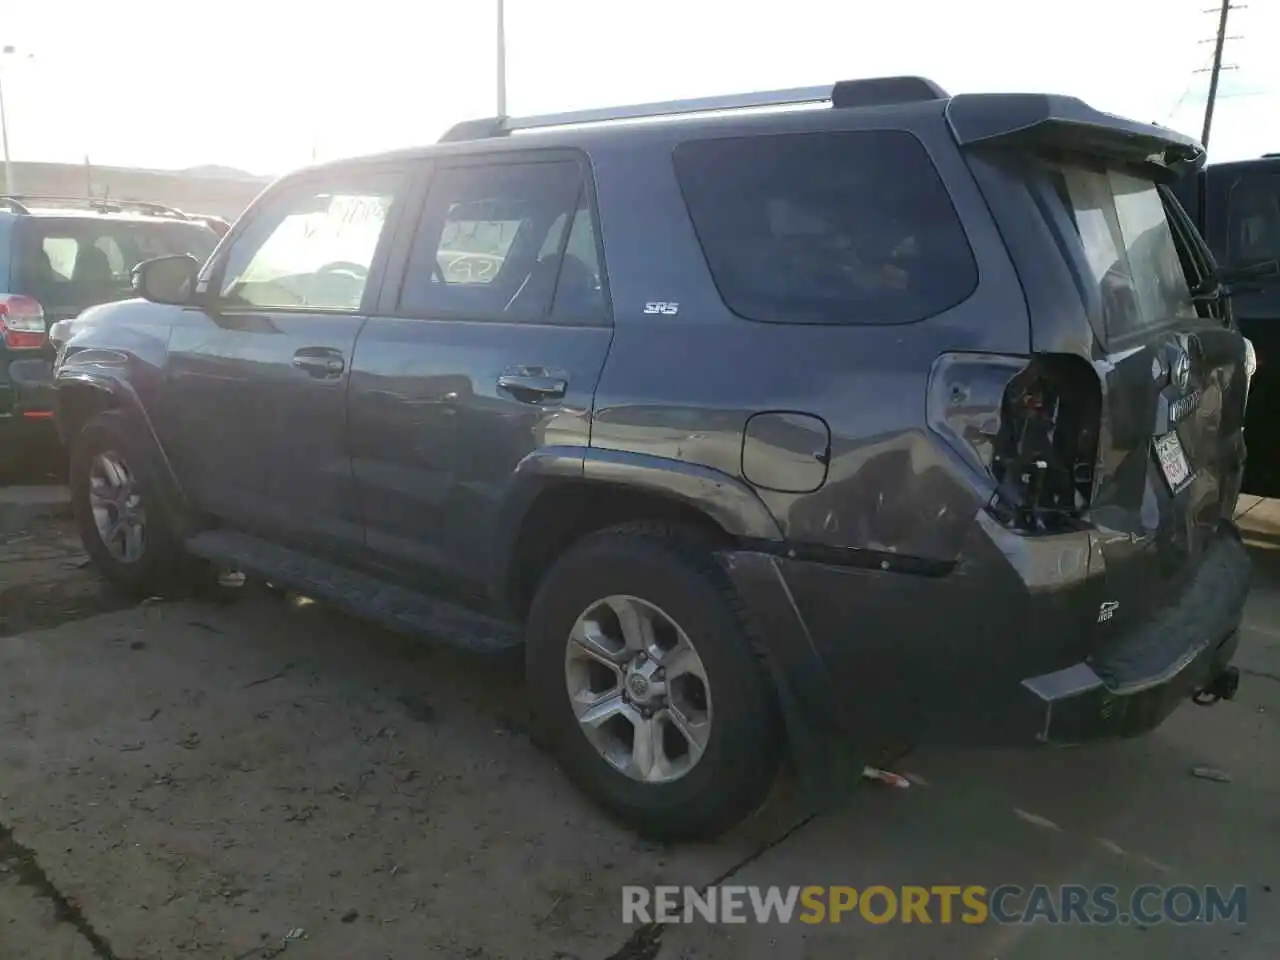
{"points": [[1117, 278], [1170, 451]]}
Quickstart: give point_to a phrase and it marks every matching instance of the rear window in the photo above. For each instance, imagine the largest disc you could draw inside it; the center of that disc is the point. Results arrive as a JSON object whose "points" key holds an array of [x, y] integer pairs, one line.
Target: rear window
{"points": [[845, 227], [1131, 258], [68, 262]]}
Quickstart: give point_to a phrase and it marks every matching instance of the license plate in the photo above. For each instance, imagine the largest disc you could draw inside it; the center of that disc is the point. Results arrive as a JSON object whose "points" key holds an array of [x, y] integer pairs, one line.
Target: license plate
{"points": [[1173, 461]]}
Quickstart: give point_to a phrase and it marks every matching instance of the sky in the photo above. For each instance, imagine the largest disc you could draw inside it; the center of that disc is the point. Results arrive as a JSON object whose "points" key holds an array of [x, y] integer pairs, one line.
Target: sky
{"points": [[268, 85]]}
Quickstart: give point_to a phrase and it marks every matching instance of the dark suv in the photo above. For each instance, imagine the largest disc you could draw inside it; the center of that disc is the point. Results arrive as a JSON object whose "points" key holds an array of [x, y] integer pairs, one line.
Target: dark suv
{"points": [[59, 255], [1236, 205], [889, 415]]}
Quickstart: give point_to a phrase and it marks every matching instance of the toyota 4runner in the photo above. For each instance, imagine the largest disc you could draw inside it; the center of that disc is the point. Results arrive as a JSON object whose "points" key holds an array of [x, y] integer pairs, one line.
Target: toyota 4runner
{"points": [[875, 413]]}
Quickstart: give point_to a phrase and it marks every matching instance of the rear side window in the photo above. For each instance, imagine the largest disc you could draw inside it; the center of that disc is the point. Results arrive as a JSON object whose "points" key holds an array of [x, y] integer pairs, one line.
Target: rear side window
{"points": [[169, 239], [848, 227], [1253, 226], [1121, 225]]}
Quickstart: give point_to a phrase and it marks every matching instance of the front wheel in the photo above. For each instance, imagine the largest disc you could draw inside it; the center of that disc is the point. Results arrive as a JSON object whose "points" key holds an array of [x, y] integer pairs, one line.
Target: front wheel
{"points": [[646, 685], [121, 527]]}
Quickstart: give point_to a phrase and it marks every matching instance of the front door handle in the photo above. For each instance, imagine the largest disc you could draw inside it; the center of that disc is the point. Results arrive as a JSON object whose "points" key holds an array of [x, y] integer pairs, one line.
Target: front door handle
{"points": [[531, 389], [320, 362]]}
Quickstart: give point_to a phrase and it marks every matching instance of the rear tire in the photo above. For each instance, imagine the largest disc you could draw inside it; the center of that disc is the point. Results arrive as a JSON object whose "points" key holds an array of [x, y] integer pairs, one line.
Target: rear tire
{"points": [[121, 524], [717, 750]]}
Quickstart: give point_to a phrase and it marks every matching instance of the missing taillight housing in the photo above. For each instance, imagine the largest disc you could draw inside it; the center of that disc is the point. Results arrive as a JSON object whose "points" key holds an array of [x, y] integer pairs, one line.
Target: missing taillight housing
{"points": [[1029, 427], [1044, 455], [21, 322]]}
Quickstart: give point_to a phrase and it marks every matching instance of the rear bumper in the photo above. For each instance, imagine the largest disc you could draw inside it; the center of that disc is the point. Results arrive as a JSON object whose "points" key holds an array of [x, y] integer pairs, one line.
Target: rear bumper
{"points": [[27, 400], [1077, 706], [996, 652], [26, 385], [1169, 658]]}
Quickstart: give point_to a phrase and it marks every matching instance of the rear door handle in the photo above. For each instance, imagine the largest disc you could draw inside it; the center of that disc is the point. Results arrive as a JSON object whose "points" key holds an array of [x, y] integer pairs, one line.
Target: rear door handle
{"points": [[320, 362], [531, 389]]}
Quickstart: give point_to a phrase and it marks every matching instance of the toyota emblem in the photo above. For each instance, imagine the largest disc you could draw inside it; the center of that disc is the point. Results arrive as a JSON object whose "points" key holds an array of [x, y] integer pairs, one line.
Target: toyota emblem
{"points": [[1180, 371]]}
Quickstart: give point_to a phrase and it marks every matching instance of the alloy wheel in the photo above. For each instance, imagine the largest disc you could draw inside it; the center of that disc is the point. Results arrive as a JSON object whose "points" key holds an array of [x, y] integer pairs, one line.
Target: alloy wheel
{"points": [[117, 507], [639, 689]]}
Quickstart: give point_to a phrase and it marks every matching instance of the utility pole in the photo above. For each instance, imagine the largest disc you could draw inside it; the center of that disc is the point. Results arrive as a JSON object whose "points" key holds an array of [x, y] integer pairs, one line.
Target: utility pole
{"points": [[8, 53], [502, 60], [1215, 71], [4, 134]]}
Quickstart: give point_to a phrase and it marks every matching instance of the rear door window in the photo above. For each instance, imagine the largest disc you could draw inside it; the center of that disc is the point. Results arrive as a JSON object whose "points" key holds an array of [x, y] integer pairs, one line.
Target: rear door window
{"points": [[510, 241], [844, 227], [1133, 269], [109, 246], [148, 240]]}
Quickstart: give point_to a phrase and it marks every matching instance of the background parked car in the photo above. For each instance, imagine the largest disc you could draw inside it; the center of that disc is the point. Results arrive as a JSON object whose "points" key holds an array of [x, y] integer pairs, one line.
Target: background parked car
{"points": [[57, 256], [1237, 208]]}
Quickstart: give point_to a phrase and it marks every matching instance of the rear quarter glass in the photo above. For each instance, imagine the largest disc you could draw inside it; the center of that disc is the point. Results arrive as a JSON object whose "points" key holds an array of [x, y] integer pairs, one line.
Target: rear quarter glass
{"points": [[840, 227]]}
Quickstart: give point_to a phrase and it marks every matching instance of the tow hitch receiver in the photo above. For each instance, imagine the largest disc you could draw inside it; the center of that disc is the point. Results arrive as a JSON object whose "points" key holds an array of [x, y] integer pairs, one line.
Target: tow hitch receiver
{"points": [[1221, 687]]}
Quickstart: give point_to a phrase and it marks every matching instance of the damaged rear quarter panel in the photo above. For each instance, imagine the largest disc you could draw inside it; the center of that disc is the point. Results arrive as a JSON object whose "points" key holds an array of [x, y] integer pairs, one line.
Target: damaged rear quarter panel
{"points": [[684, 386]]}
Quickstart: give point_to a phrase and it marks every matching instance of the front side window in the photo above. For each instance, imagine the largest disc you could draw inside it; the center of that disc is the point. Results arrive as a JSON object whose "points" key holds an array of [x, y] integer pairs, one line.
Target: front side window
{"points": [[311, 249], [506, 242], [1125, 237], [848, 227]]}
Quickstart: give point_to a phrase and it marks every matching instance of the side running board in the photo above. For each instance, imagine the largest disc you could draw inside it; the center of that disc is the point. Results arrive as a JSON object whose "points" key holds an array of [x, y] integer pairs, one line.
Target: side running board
{"points": [[391, 606]]}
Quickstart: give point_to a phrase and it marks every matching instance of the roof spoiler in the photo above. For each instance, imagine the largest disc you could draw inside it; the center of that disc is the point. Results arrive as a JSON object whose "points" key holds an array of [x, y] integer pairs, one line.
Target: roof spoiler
{"points": [[1070, 124]]}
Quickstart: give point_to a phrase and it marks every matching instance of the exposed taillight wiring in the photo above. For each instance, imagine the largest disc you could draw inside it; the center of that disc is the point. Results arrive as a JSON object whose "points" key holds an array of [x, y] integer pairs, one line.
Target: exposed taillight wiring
{"points": [[1029, 426], [21, 322], [1045, 451]]}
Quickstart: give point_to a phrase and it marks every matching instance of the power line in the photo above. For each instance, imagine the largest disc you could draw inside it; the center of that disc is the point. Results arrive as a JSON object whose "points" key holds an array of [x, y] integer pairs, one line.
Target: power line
{"points": [[1215, 71], [1177, 104]]}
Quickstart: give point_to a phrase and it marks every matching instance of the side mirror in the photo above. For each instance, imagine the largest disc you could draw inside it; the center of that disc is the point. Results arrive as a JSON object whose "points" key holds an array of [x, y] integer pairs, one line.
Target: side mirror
{"points": [[170, 280]]}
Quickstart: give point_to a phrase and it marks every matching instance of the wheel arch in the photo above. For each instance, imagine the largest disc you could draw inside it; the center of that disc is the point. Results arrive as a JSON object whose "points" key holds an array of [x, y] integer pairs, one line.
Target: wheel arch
{"points": [[81, 395], [560, 495]]}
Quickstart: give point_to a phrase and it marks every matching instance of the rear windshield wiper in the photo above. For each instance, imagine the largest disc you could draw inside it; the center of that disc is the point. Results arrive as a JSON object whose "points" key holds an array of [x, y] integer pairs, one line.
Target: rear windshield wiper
{"points": [[1229, 282], [1211, 290]]}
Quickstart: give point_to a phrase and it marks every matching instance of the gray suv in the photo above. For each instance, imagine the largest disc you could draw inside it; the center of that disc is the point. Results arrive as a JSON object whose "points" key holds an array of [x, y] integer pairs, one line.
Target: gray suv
{"points": [[791, 422]]}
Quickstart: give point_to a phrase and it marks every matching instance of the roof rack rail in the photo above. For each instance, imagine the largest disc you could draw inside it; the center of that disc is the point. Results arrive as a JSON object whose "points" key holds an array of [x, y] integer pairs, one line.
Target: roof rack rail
{"points": [[874, 91], [100, 204], [144, 206]]}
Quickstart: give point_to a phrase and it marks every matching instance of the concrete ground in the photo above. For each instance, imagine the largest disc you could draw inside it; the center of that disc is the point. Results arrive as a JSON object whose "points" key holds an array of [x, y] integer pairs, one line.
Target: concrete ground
{"points": [[265, 778]]}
